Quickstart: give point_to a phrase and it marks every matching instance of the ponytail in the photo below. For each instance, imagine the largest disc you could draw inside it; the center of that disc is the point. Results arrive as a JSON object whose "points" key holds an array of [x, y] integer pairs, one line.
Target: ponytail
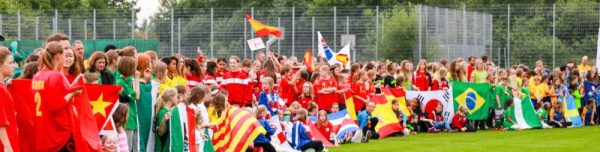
{"points": [[51, 50]]}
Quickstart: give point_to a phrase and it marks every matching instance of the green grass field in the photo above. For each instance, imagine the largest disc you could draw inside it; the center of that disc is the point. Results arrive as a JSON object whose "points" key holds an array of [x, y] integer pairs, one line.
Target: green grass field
{"points": [[549, 140]]}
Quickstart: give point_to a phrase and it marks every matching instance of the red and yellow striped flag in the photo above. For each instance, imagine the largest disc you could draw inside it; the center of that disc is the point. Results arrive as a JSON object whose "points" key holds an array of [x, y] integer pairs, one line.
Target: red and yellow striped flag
{"points": [[237, 130], [261, 29], [308, 61]]}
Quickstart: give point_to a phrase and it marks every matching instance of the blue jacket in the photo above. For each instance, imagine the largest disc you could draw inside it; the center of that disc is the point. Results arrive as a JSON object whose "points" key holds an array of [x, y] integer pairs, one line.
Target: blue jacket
{"points": [[270, 131], [589, 92], [299, 136], [263, 99], [363, 118]]}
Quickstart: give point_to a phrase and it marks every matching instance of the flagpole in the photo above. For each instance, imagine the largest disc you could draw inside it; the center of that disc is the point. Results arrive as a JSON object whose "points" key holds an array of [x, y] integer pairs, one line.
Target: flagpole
{"points": [[271, 40]]}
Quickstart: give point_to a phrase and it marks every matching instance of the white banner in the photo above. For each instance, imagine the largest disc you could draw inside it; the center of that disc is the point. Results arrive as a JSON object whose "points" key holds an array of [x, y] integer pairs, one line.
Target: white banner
{"points": [[429, 99]]}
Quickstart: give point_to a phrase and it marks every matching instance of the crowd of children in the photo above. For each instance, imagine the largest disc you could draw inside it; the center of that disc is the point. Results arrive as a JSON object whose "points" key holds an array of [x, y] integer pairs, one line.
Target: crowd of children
{"points": [[193, 94]]}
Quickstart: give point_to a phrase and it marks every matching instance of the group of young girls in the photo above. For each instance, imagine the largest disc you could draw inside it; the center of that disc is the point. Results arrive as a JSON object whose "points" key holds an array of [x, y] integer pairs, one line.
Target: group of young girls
{"points": [[192, 94]]}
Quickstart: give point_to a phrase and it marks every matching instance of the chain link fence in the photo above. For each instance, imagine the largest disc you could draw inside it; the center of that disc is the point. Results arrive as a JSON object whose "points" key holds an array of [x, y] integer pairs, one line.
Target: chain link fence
{"points": [[509, 34]]}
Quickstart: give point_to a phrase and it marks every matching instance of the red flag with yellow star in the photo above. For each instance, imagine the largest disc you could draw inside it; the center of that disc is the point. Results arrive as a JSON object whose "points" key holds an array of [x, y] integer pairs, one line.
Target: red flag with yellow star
{"points": [[103, 99]]}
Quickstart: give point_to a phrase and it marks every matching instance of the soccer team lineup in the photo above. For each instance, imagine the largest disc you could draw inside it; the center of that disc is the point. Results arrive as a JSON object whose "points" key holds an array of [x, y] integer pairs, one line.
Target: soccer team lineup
{"points": [[64, 91]]}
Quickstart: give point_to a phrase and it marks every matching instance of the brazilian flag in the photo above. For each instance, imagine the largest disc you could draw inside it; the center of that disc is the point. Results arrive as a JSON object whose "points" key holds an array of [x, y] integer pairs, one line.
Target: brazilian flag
{"points": [[476, 96]]}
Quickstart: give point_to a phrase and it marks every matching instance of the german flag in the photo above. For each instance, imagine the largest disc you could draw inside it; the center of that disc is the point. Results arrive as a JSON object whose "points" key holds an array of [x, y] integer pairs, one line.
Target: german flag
{"points": [[237, 130], [308, 60], [261, 29]]}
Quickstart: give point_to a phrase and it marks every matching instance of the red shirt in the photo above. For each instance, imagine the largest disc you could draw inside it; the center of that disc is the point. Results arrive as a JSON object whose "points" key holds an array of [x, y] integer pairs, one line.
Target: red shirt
{"points": [[25, 108], [299, 85], [219, 74], [236, 84], [286, 90], [304, 102], [439, 85], [359, 89], [470, 70], [325, 101], [193, 81], [458, 121], [325, 130], [436, 117], [422, 80], [8, 118], [209, 80], [54, 122]]}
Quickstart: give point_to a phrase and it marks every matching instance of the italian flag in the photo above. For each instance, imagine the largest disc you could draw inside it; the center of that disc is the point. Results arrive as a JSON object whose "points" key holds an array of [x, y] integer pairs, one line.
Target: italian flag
{"points": [[523, 113]]}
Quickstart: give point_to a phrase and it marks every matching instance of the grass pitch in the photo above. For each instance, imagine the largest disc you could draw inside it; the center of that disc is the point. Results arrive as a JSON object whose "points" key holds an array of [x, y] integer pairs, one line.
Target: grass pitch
{"points": [[548, 140]]}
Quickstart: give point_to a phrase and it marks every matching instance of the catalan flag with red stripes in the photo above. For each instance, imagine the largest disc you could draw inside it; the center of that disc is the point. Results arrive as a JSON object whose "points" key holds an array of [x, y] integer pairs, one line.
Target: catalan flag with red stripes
{"points": [[237, 129], [261, 29], [308, 60]]}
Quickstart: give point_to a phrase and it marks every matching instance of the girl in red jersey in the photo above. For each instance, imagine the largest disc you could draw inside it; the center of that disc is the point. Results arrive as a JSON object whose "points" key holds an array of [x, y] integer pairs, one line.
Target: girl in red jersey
{"points": [[307, 95], [209, 78], [193, 73], [359, 90], [440, 82], [325, 127], [221, 69], [55, 116], [235, 82], [71, 66], [422, 79], [9, 136], [287, 88], [325, 89]]}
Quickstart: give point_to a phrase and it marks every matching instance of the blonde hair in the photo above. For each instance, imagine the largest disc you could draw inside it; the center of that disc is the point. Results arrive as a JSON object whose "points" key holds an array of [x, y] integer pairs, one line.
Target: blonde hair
{"points": [[260, 109], [163, 99], [268, 80], [311, 93], [160, 71], [463, 107], [301, 114]]}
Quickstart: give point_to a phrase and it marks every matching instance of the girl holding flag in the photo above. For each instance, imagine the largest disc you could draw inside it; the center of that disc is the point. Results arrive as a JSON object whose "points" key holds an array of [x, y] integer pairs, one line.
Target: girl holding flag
{"points": [[9, 137], [168, 131], [55, 118]]}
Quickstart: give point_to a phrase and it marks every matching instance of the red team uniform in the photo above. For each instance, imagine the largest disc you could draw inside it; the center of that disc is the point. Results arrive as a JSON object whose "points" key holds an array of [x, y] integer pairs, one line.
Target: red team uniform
{"points": [[236, 84], [325, 101], [8, 118], [54, 121]]}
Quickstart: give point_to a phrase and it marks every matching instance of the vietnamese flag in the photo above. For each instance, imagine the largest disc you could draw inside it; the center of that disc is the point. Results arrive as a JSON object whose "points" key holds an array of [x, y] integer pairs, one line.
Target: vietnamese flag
{"points": [[20, 90], [308, 61], [261, 29], [388, 122], [103, 99], [87, 134]]}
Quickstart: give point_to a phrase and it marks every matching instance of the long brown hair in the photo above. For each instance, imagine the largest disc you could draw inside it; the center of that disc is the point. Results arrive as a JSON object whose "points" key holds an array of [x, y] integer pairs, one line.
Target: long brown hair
{"points": [[196, 95], [47, 56], [194, 67], [94, 58], [120, 115], [219, 102], [75, 69]]}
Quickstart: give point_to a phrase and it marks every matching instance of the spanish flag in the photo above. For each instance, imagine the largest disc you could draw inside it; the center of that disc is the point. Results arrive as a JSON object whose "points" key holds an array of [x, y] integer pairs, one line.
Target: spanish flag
{"points": [[308, 61], [388, 122], [261, 29], [237, 129]]}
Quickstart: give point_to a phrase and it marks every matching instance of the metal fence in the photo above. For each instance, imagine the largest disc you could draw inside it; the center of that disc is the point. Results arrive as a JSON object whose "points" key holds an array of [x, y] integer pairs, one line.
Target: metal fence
{"points": [[509, 34]]}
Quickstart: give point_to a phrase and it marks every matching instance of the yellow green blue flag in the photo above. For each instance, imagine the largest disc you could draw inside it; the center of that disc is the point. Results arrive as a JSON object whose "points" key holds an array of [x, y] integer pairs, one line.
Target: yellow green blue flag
{"points": [[475, 96]]}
